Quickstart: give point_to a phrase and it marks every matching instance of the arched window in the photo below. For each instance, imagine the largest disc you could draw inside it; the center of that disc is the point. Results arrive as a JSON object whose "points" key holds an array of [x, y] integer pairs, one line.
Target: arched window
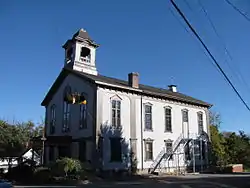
{"points": [[85, 54], [52, 119], [66, 110], [83, 115], [116, 112]]}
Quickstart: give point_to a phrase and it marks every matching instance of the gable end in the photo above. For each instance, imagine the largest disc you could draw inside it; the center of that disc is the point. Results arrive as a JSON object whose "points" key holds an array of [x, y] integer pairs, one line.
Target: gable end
{"points": [[59, 80]]}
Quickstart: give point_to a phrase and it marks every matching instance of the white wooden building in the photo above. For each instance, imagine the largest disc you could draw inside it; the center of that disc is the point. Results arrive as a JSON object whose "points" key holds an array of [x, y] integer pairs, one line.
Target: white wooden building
{"points": [[121, 116], [16, 158]]}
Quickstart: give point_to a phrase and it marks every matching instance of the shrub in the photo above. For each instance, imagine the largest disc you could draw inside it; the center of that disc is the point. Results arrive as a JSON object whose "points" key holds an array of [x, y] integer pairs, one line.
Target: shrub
{"points": [[70, 167], [134, 163], [20, 173], [42, 175]]}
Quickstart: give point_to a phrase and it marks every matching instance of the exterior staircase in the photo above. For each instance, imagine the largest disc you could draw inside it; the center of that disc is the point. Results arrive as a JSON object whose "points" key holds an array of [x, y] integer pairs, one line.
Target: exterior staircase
{"points": [[166, 154]]}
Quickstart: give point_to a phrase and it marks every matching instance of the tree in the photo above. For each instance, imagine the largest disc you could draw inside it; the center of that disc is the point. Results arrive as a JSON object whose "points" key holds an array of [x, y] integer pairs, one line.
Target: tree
{"points": [[12, 142], [14, 139], [218, 152], [214, 119], [228, 147], [238, 148], [219, 155]]}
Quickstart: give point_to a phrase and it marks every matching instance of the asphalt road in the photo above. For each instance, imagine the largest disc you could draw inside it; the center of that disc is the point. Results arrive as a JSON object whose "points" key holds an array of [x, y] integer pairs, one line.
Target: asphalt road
{"points": [[197, 181], [207, 181]]}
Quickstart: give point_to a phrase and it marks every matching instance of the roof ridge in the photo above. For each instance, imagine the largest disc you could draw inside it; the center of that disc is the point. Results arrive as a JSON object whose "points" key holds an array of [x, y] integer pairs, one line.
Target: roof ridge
{"points": [[146, 89], [154, 87]]}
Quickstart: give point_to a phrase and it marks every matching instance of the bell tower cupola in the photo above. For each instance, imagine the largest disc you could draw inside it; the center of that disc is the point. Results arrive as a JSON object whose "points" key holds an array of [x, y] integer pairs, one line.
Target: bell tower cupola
{"points": [[80, 53]]}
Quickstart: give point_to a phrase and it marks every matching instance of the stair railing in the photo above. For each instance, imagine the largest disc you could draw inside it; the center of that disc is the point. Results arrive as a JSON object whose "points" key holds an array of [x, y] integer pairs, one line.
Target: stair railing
{"points": [[165, 154]]}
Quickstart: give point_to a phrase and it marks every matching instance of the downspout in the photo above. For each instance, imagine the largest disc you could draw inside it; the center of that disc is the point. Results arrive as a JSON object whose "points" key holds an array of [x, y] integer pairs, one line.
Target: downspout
{"points": [[95, 130], [141, 136]]}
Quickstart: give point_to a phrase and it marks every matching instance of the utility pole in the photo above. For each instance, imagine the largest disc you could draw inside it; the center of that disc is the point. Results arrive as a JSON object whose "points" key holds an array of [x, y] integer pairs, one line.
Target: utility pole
{"points": [[43, 139]]}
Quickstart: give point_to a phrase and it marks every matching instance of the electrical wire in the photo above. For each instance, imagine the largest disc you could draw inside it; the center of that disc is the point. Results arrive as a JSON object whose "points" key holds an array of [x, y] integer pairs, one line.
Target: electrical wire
{"points": [[188, 5], [214, 28], [209, 53], [236, 73], [173, 14], [238, 10]]}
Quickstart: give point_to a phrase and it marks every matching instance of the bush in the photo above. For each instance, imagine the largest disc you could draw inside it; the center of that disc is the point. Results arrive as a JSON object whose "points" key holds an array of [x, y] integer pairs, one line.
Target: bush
{"points": [[20, 173], [70, 168], [42, 175], [134, 163]]}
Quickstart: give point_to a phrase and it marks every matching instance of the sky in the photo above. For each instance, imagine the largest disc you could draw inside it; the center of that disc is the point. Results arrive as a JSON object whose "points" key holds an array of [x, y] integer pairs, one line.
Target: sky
{"points": [[148, 37]]}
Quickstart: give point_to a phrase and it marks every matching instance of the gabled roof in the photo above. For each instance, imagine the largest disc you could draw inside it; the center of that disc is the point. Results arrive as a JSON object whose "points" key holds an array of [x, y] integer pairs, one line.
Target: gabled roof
{"points": [[17, 153], [117, 83]]}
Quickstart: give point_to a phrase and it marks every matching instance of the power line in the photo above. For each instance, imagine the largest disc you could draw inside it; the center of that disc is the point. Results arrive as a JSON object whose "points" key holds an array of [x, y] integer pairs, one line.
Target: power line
{"points": [[188, 5], [214, 28], [235, 72], [178, 20], [209, 53], [238, 10]]}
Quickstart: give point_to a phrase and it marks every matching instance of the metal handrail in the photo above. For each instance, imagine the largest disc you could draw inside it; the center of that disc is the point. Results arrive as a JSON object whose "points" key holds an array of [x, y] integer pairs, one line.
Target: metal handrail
{"points": [[163, 153]]}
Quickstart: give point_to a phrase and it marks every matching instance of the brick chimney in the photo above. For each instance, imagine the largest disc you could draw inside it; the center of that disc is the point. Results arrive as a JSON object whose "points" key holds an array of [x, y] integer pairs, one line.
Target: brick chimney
{"points": [[133, 79], [172, 88]]}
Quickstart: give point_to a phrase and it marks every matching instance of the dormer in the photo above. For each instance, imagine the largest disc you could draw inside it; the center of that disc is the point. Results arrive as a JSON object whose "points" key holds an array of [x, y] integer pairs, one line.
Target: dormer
{"points": [[80, 53]]}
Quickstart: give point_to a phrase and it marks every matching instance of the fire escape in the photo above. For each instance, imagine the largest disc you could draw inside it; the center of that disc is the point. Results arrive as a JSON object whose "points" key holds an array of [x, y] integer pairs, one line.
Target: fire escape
{"points": [[167, 154]]}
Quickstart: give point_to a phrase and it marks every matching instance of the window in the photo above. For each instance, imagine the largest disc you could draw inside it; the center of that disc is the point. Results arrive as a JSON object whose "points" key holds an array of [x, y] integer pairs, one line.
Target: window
{"points": [[200, 122], [83, 116], [66, 116], [169, 149], [184, 115], [116, 113], [148, 150], [66, 111], [47, 121], [52, 119], [148, 117], [115, 150], [82, 151], [168, 120], [85, 54]]}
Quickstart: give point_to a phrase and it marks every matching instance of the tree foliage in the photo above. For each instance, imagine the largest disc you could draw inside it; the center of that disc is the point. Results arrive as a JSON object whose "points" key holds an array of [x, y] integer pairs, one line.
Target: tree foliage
{"points": [[69, 166], [15, 138], [218, 152], [228, 147]]}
